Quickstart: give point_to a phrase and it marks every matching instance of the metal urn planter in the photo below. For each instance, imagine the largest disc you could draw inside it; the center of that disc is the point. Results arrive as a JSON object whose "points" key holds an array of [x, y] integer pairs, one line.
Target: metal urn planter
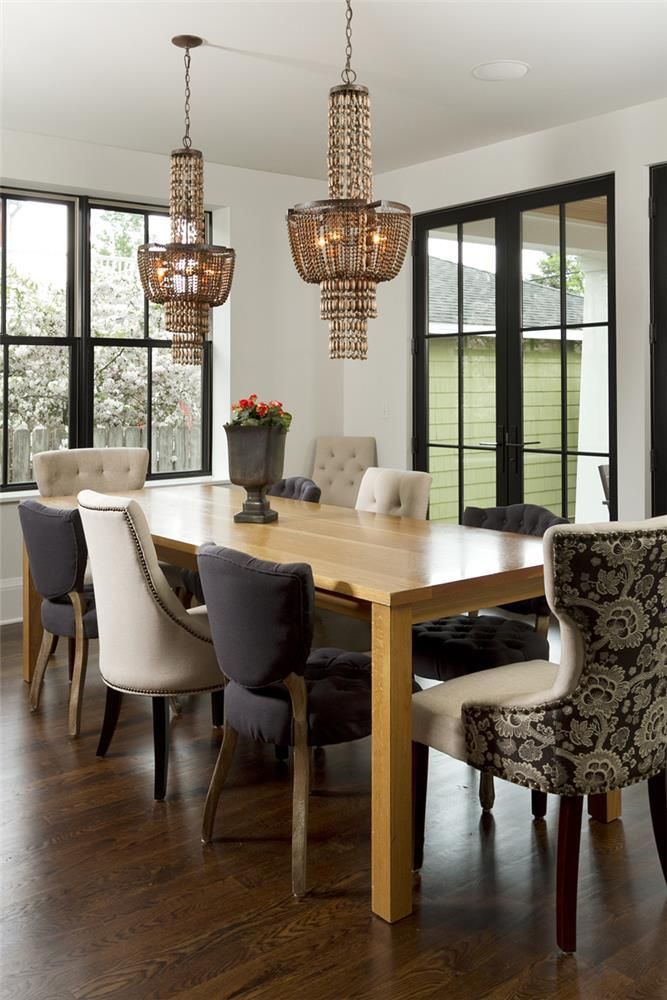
{"points": [[256, 458]]}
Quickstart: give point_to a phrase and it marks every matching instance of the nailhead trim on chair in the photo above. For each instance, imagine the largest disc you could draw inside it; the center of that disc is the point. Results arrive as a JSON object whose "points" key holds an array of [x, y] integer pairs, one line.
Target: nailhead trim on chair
{"points": [[162, 692]]}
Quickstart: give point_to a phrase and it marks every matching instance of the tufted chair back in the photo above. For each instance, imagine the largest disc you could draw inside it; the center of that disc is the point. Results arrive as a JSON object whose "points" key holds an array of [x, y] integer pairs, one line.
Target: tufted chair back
{"points": [[240, 591], [56, 548], [340, 463], [149, 644], [603, 725], [107, 470], [296, 488], [395, 491]]}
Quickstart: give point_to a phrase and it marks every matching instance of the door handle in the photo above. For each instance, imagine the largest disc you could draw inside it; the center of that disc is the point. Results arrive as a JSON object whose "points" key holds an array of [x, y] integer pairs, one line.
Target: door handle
{"points": [[488, 444], [517, 444]]}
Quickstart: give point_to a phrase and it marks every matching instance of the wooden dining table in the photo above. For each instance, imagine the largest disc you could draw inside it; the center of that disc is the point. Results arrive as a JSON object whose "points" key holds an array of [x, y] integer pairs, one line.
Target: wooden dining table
{"points": [[391, 571]]}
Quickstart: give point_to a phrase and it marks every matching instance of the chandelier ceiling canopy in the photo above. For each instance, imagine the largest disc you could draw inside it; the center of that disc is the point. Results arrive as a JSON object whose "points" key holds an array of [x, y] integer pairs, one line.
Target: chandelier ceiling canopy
{"points": [[349, 243], [188, 275]]}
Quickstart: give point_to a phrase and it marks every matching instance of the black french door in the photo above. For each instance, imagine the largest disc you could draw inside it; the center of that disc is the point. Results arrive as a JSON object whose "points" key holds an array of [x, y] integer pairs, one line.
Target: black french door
{"points": [[514, 389]]}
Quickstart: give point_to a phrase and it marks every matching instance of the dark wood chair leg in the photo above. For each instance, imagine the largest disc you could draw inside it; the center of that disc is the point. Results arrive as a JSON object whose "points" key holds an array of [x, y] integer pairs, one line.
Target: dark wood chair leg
{"points": [[569, 837], [538, 802], [657, 796], [419, 786], [71, 656], [161, 745], [111, 713], [218, 708]]}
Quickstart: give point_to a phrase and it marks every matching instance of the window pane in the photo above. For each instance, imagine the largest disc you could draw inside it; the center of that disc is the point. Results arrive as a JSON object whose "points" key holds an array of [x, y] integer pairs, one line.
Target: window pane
{"points": [[540, 265], [38, 403], [37, 267], [586, 494], [542, 483], [586, 242], [478, 254], [116, 295], [120, 397], [444, 467], [443, 382], [542, 389], [158, 232], [176, 414], [443, 295], [479, 479], [479, 389], [588, 389]]}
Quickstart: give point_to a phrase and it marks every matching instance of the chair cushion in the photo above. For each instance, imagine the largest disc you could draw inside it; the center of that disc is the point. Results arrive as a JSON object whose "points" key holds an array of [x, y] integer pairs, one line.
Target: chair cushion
{"points": [[339, 702], [449, 647], [436, 712], [58, 617]]}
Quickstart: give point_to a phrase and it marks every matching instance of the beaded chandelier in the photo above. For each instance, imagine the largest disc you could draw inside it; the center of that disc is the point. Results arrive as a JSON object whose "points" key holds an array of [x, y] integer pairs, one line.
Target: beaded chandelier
{"points": [[188, 275], [349, 243]]}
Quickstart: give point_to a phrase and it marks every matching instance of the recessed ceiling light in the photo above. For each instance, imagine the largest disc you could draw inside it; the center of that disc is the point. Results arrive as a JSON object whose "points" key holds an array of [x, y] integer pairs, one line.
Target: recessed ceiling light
{"points": [[503, 69]]}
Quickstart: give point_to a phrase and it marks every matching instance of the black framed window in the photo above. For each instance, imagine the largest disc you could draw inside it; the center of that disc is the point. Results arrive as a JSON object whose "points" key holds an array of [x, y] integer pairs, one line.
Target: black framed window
{"points": [[658, 216], [86, 361]]}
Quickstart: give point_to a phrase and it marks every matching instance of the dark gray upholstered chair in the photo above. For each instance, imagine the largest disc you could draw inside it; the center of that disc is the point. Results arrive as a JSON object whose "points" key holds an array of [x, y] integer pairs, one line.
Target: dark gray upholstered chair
{"points": [[261, 618], [463, 644], [57, 553], [296, 488]]}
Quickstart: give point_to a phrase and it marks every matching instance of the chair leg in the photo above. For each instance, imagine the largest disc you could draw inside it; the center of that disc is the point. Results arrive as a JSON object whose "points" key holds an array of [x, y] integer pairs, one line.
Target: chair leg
{"points": [[218, 778], [569, 837], [111, 713], [40, 669], [218, 708], [419, 786], [487, 794], [76, 688], [71, 656], [175, 704], [161, 746], [542, 623], [300, 782], [538, 801], [657, 796]]}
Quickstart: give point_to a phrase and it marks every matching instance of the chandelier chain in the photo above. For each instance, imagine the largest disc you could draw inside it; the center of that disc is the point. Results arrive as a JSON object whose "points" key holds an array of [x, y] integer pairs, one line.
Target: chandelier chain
{"points": [[348, 75], [187, 141]]}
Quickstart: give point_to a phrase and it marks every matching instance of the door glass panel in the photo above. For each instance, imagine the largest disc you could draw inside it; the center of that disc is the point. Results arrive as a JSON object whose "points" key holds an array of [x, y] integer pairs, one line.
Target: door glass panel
{"points": [[586, 496], [444, 467], [37, 263], [478, 255], [479, 388], [540, 267], [479, 478], [176, 414], [443, 385], [443, 288], [586, 248], [38, 405], [120, 397], [588, 389], [542, 483], [116, 295], [542, 389]]}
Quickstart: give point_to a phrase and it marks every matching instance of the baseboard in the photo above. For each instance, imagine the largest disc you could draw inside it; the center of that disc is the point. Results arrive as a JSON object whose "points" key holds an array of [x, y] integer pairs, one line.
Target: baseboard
{"points": [[11, 600]]}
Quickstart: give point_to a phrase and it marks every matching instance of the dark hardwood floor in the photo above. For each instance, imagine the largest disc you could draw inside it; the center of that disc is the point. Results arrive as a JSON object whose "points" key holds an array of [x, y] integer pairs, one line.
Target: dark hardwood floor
{"points": [[108, 894]]}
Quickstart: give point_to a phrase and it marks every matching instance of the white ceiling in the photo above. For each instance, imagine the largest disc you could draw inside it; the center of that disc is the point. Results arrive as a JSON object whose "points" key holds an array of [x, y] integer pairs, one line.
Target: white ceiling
{"points": [[105, 72]]}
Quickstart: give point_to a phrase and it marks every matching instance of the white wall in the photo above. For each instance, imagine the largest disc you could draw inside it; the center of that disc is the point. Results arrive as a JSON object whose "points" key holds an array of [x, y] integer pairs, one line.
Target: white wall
{"points": [[378, 396], [268, 339]]}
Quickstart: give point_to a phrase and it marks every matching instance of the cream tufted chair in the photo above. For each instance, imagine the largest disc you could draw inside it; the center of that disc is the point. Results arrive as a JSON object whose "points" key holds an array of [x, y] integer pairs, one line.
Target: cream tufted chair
{"points": [[149, 644], [594, 724], [340, 463], [65, 473], [382, 491]]}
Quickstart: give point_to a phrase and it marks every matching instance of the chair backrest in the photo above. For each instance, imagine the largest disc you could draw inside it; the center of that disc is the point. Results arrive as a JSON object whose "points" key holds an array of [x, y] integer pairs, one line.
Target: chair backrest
{"points": [[65, 473], [261, 614], [340, 463], [145, 633], [395, 491], [523, 518], [296, 488], [56, 547]]}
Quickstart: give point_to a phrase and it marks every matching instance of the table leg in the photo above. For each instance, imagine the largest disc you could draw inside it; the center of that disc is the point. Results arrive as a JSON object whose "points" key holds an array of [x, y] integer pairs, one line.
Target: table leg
{"points": [[32, 621], [391, 839], [605, 808]]}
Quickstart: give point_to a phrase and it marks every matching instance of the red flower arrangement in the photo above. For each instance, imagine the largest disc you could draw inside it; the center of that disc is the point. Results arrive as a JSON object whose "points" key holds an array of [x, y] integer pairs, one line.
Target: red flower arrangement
{"points": [[249, 413]]}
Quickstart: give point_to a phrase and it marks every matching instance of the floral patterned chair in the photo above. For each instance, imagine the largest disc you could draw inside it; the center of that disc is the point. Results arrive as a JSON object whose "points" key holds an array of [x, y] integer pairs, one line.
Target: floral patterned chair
{"points": [[597, 722]]}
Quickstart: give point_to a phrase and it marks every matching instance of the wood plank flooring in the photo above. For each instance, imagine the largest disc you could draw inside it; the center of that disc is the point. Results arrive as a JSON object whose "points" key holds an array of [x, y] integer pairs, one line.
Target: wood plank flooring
{"points": [[107, 894]]}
